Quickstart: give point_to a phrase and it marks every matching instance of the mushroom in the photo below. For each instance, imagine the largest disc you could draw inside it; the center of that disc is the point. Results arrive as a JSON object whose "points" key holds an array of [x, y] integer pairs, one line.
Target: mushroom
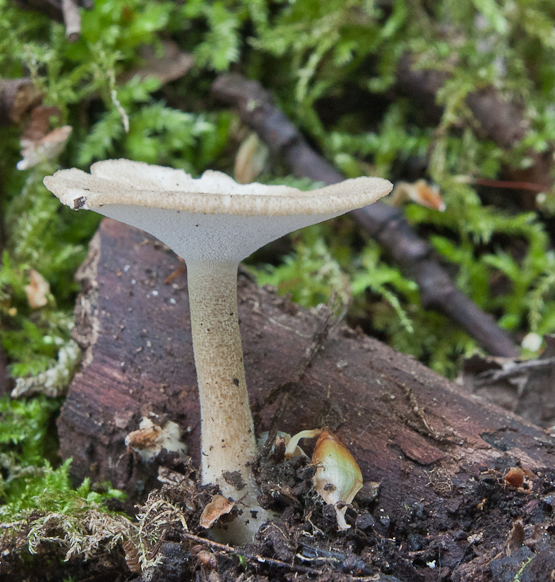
{"points": [[213, 223]]}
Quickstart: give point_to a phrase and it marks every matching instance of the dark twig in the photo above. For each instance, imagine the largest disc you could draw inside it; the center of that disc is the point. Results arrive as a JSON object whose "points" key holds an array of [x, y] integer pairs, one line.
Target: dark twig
{"points": [[500, 120], [385, 223], [260, 559], [326, 323], [515, 369]]}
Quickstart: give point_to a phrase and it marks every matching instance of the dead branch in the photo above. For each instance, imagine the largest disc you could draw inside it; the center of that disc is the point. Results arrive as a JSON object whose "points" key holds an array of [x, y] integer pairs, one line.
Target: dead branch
{"points": [[385, 223]]}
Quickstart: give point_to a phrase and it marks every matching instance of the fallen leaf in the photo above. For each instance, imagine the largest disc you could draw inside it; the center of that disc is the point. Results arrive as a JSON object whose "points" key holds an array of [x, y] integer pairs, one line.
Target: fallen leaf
{"points": [[219, 506], [420, 192], [250, 160], [515, 477], [38, 290], [46, 148], [171, 65]]}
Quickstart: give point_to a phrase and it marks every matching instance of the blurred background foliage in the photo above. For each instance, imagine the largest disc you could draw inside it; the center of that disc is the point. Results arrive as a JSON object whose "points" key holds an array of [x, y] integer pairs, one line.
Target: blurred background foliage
{"points": [[332, 68]]}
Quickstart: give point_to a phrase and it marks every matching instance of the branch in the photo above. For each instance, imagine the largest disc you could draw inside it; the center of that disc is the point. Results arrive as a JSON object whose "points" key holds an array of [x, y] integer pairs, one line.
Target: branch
{"points": [[385, 223], [500, 120], [72, 20]]}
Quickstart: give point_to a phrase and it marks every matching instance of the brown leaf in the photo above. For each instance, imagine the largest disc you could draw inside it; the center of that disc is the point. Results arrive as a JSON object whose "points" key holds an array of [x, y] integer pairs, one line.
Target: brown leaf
{"points": [[219, 506], [250, 159], [46, 148], [515, 477], [420, 192], [38, 290], [17, 96], [39, 122]]}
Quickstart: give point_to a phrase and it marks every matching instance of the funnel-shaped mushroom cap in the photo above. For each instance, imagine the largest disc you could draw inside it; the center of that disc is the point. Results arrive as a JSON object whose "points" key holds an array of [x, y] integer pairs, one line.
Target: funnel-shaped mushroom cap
{"points": [[210, 218]]}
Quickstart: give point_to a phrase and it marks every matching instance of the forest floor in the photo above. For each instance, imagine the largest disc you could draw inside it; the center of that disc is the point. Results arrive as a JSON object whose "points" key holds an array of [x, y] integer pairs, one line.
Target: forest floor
{"points": [[456, 488]]}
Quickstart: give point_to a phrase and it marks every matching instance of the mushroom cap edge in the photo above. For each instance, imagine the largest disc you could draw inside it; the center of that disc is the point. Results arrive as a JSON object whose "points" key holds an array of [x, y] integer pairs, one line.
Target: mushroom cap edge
{"points": [[78, 189]]}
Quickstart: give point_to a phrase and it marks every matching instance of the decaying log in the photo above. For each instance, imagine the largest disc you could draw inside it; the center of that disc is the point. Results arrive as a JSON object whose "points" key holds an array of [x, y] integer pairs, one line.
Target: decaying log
{"points": [[72, 20], [385, 223], [423, 438]]}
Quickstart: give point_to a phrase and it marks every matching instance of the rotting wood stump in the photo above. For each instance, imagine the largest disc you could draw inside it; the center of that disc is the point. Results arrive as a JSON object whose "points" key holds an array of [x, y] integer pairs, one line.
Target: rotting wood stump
{"points": [[422, 437]]}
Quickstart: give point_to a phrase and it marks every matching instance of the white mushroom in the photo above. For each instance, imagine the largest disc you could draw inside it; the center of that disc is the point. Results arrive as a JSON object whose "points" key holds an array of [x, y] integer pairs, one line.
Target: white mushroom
{"points": [[213, 223]]}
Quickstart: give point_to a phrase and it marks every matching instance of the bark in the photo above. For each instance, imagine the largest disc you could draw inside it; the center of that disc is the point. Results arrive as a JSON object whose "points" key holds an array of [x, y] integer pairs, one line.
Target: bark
{"points": [[383, 222], [72, 20]]}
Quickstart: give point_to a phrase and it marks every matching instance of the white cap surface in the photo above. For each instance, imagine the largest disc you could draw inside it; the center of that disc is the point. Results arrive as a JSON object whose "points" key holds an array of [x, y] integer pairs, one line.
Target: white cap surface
{"points": [[210, 218]]}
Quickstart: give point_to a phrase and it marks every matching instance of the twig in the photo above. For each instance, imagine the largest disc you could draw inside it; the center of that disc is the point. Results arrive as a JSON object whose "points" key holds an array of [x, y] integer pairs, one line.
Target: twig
{"points": [[499, 119], [385, 223], [325, 324], [72, 20], [511, 185], [515, 369], [260, 559]]}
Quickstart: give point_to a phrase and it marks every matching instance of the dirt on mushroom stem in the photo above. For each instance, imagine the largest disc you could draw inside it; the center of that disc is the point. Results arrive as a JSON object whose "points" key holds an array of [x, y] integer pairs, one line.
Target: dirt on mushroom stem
{"points": [[228, 444]]}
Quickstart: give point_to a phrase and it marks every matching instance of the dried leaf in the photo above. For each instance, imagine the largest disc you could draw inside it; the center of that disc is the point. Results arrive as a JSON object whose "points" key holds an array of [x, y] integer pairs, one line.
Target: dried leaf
{"points": [[515, 477], [38, 290], [39, 123], [46, 148], [420, 192], [219, 506], [17, 96], [250, 160], [172, 65]]}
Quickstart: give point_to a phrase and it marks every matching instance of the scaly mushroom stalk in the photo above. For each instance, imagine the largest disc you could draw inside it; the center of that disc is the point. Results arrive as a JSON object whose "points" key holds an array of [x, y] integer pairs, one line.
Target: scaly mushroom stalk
{"points": [[213, 223], [227, 442], [220, 373]]}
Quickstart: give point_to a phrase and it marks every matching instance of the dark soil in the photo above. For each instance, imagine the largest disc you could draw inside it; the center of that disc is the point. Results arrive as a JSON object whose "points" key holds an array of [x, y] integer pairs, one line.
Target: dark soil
{"points": [[489, 531]]}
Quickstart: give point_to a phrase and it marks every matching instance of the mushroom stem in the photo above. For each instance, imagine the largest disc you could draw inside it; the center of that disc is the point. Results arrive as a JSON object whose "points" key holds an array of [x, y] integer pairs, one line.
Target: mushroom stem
{"points": [[228, 443]]}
